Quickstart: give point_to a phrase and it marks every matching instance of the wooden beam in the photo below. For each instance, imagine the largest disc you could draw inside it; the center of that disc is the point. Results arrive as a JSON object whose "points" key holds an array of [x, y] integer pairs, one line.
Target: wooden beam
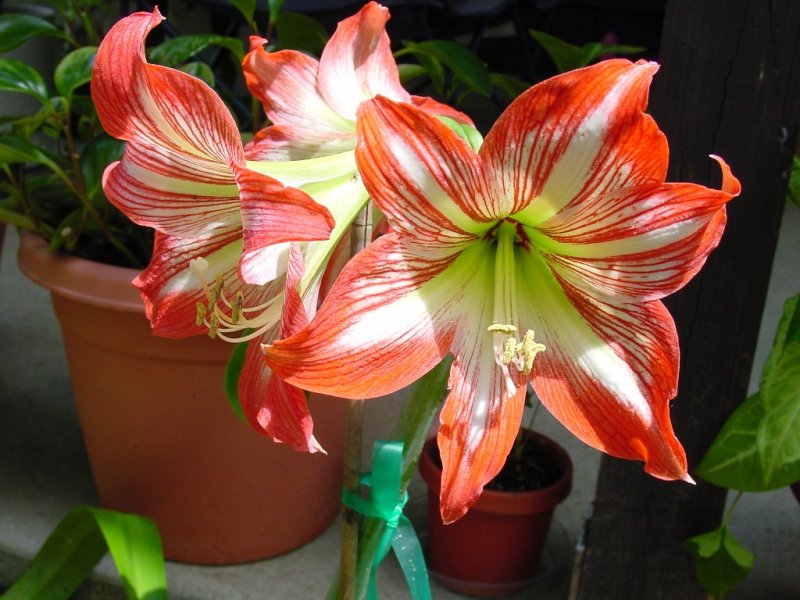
{"points": [[728, 85]]}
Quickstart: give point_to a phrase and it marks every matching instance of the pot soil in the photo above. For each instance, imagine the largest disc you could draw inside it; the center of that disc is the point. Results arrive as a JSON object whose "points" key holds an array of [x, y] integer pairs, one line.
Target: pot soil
{"points": [[495, 549], [161, 437]]}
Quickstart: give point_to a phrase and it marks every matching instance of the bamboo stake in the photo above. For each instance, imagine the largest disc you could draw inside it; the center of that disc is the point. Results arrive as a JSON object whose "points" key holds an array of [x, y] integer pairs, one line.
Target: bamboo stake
{"points": [[361, 234]]}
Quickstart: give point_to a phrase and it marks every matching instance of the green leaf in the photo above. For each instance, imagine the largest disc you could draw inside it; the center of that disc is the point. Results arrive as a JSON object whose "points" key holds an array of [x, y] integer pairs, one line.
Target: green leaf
{"points": [[779, 435], [17, 219], [16, 29], [95, 157], [595, 50], [793, 192], [466, 132], [465, 65], [721, 562], [300, 32], [433, 68], [233, 371], [79, 541], [16, 76], [509, 85], [275, 7], [14, 150], [200, 70], [409, 71], [732, 461], [177, 51], [74, 70], [566, 56], [247, 8], [758, 448]]}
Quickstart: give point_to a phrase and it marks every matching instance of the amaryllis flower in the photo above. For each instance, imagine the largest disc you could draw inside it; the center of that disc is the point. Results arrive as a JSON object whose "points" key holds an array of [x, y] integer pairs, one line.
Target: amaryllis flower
{"points": [[538, 260], [223, 230]]}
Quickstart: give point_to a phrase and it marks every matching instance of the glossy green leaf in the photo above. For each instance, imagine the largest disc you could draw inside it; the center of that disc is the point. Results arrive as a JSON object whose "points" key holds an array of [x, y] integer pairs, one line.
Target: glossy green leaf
{"points": [[74, 70], [275, 7], [246, 7], [16, 76], [793, 193], [758, 448], [511, 86], [79, 541], [177, 51], [408, 71], [721, 562], [568, 56], [233, 371], [200, 70], [779, 435], [300, 32], [14, 150], [465, 65], [16, 29], [95, 157], [594, 50], [732, 461], [433, 68]]}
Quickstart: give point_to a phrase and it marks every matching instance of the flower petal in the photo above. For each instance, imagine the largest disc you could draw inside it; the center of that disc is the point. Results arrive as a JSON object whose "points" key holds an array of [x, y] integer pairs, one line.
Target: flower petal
{"points": [[425, 179], [357, 63], [482, 413], [161, 108], [576, 135], [637, 243], [273, 214], [385, 323], [286, 84], [609, 370], [272, 406], [171, 289]]}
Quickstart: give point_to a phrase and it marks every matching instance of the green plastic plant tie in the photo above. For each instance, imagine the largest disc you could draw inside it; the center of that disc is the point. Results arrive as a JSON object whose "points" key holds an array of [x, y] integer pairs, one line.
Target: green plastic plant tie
{"points": [[386, 502]]}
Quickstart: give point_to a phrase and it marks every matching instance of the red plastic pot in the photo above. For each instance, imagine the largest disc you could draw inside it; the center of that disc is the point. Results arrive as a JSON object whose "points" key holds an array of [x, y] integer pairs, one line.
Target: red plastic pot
{"points": [[495, 549], [161, 437]]}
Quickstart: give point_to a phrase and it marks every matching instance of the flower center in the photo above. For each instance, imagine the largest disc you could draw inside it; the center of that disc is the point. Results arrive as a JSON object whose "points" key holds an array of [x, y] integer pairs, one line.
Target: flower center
{"points": [[228, 319], [507, 348]]}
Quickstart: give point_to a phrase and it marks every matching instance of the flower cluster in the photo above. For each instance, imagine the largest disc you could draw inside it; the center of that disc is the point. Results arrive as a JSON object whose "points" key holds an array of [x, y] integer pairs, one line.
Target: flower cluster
{"points": [[537, 256]]}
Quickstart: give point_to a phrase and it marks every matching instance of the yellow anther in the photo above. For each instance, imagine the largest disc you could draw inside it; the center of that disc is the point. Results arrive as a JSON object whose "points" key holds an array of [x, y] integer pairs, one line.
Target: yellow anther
{"points": [[213, 325], [509, 350], [528, 349], [236, 309], [200, 315], [501, 328]]}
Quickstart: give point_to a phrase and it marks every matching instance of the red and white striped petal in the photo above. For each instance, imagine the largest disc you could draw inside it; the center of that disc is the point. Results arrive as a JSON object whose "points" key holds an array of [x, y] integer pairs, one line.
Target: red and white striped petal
{"points": [[425, 179], [144, 187], [272, 216], [576, 135], [357, 63], [272, 406], [609, 370], [161, 108], [303, 124], [638, 244], [482, 413], [386, 322], [171, 289]]}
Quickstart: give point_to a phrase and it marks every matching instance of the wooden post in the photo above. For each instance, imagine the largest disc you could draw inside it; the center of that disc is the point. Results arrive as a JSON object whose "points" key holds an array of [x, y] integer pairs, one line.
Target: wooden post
{"points": [[728, 85]]}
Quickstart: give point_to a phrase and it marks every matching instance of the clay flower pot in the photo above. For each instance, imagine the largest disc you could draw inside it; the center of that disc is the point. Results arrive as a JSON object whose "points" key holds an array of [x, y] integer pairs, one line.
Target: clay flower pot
{"points": [[495, 549], [161, 437]]}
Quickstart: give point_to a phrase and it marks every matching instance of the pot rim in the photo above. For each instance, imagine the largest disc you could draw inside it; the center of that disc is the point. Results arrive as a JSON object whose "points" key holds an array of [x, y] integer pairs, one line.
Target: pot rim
{"points": [[76, 278], [517, 503]]}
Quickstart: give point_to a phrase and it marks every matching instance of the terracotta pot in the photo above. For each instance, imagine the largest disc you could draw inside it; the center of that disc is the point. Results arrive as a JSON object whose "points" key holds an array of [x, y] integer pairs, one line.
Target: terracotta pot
{"points": [[495, 549], [161, 437]]}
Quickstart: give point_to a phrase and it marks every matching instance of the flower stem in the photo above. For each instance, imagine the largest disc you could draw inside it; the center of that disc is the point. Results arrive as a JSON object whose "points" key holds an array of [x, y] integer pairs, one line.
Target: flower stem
{"points": [[361, 233]]}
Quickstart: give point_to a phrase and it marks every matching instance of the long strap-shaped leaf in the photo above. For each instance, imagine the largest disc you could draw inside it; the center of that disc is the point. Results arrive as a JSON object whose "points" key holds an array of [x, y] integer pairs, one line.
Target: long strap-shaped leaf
{"points": [[78, 543]]}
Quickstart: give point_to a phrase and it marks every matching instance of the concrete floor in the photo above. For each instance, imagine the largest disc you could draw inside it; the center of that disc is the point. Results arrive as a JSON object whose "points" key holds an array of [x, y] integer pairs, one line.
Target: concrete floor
{"points": [[44, 473]]}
